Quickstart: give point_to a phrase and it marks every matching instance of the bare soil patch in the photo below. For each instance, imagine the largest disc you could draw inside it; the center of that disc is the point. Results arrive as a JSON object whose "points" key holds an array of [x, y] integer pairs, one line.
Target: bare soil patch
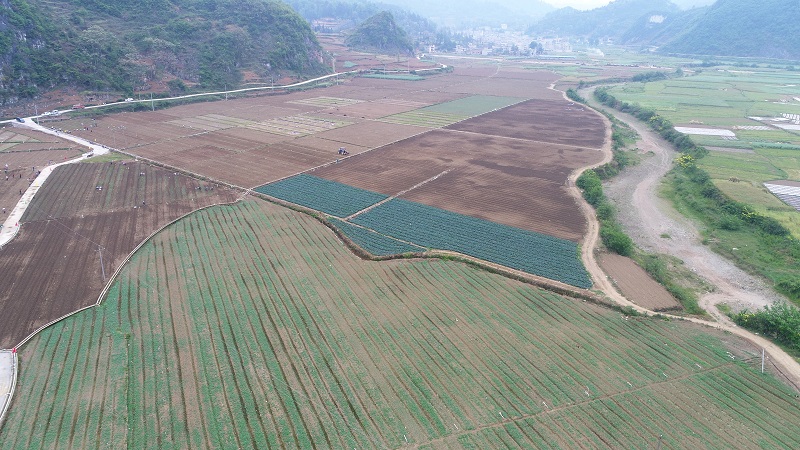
{"points": [[636, 285], [509, 181], [329, 146], [541, 120], [371, 134]]}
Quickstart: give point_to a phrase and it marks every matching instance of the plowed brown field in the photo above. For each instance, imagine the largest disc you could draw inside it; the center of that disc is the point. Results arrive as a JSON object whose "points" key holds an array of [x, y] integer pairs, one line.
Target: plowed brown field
{"points": [[636, 285], [53, 266], [510, 181], [555, 121]]}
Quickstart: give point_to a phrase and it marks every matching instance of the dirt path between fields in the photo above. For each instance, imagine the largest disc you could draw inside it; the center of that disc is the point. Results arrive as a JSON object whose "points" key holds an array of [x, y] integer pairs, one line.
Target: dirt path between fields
{"points": [[646, 217]]}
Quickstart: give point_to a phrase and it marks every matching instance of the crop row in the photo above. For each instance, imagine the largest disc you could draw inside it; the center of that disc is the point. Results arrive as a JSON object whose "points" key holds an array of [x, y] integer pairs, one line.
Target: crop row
{"points": [[250, 326], [421, 117], [373, 242], [330, 197], [535, 253]]}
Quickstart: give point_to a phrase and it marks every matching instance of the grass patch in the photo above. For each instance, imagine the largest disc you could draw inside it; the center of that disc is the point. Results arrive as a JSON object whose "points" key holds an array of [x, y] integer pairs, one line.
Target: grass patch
{"points": [[752, 241], [679, 281], [109, 157]]}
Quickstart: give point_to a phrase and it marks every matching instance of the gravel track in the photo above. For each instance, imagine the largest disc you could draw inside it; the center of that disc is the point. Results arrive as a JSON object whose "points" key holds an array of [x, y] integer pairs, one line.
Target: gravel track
{"points": [[646, 217]]}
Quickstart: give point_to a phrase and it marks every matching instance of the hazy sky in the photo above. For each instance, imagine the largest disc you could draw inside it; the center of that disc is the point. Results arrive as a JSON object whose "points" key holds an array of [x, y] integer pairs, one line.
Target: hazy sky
{"points": [[578, 4], [589, 4]]}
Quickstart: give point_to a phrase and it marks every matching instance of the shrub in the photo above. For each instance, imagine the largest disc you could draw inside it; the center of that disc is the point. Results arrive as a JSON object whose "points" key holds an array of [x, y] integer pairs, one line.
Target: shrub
{"points": [[780, 322], [616, 240]]}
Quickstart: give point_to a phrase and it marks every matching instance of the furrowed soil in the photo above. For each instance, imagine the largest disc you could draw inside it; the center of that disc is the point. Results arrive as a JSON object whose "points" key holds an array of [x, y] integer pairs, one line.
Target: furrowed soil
{"points": [[510, 181], [20, 152], [255, 140], [636, 285], [53, 266], [252, 326]]}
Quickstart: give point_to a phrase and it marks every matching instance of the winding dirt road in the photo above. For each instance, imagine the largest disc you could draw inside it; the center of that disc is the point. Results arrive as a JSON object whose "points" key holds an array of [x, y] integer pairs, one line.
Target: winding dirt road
{"points": [[646, 218]]}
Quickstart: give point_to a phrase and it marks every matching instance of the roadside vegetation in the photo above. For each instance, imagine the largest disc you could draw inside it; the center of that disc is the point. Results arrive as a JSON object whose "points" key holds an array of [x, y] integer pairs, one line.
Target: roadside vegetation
{"points": [[780, 322]]}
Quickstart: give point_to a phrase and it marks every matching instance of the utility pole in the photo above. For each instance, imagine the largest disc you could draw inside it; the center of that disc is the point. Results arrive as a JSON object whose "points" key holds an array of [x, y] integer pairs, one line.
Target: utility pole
{"points": [[762, 360], [152, 105]]}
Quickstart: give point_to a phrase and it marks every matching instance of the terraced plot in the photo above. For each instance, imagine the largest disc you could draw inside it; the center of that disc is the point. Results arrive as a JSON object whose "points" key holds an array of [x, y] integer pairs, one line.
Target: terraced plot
{"points": [[448, 113], [373, 242], [330, 197], [73, 235], [313, 348], [297, 126], [326, 101], [534, 253], [422, 118], [211, 122]]}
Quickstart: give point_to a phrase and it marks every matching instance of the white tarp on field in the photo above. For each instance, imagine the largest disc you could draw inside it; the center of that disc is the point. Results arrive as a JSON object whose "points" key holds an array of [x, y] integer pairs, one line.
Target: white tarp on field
{"points": [[706, 131], [788, 194], [787, 126]]}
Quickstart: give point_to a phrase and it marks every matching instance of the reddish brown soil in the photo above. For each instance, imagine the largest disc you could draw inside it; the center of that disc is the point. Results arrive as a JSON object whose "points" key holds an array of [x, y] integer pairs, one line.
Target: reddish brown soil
{"points": [[541, 120], [20, 172], [329, 146], [371, 134], [30, 149], [510, 181], [481, 186], [53, 267], [636, 285]]}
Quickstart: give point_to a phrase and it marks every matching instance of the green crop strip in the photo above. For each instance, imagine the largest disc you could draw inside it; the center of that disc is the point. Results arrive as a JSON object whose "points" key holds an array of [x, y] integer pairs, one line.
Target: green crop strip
{"points": [[524, 250], [330, 197]]}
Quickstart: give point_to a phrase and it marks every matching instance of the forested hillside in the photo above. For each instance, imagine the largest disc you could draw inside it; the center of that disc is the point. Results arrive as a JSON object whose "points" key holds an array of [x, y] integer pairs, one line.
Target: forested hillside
{"points": [[121, 45], [766, 28], [610, 21], [380, 33], [351, 13]]}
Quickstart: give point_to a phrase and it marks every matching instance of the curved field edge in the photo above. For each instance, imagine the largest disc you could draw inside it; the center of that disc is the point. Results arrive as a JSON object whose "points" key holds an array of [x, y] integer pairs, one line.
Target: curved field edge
{"points": [[251, 326]]}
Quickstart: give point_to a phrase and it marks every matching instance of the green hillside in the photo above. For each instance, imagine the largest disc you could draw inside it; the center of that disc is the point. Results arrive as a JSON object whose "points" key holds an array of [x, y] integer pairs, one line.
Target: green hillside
{"points": [[381, 34], [669, 27], [767, 28], [611, 21], [121, 46]]}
